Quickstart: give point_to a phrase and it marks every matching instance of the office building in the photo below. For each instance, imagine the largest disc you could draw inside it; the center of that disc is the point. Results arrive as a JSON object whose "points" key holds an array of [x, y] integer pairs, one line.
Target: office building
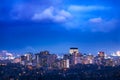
{"points": [[73, 50]]}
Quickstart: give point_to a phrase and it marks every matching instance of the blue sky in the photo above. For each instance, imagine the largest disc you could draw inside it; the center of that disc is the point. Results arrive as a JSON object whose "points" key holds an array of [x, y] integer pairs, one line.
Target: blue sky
{"points": [[35, 25]]}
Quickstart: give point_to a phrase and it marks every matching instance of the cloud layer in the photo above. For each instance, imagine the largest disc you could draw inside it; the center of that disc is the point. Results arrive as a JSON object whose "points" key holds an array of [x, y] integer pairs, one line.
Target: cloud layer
{"points": [[86, 8], [53, 15], [70, 16]]}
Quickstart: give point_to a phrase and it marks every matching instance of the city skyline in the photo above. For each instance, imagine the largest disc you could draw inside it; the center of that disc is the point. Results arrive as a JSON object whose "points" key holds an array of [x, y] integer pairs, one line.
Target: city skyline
{"points": [[53, 25], [5, 53]]}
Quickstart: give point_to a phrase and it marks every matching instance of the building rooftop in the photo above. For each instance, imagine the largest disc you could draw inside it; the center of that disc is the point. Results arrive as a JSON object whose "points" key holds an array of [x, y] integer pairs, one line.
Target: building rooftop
{"points": [[73, 48]]}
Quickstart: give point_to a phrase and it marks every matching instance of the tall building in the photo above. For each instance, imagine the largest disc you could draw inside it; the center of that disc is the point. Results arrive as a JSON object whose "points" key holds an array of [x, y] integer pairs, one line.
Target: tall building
{"points": [[101, 54], [88, 59], [37, 59], [73, 50], [45, 59], [101, 58], [23, 60], [64, 63], [29, 57], [17, 60]]}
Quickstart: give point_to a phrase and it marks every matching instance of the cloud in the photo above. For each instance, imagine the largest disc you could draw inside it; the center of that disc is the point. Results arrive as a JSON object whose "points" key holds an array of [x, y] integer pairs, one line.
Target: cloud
{"points": [[62, 15], [102, 25], [25, 9], [52, 14], [39, 10], [5, 53], [86, 8], [96, 24], [70, 16], [96, 20], [85, 18], [46, 14]]}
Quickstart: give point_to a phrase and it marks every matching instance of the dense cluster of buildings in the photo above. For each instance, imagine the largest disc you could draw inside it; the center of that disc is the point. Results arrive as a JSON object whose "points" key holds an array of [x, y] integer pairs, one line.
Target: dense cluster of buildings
{"points": [[51, 61], [46, 66]]}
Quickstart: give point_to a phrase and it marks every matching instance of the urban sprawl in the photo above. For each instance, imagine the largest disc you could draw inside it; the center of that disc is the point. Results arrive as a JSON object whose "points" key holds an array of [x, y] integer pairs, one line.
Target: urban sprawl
{"points": [[74, 65]]}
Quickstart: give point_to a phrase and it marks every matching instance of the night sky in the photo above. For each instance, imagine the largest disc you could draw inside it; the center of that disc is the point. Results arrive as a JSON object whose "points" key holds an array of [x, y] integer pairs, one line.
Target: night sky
{"points": [[57, 25]]}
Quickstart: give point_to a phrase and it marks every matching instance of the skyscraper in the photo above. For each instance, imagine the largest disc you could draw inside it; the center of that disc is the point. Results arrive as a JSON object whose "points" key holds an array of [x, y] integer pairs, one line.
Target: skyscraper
{"points": [[73, 50]]}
